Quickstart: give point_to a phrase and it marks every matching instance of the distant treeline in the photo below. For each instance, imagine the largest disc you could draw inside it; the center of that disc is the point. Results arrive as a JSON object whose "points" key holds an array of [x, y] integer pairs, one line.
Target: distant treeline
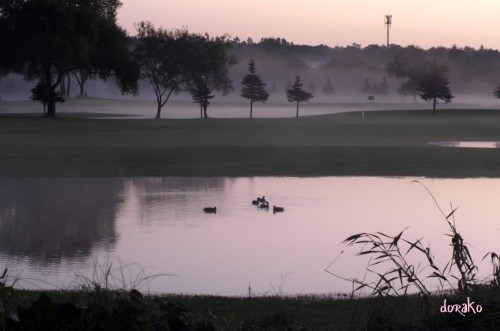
{"points": [[471, 71], [332, 71]]}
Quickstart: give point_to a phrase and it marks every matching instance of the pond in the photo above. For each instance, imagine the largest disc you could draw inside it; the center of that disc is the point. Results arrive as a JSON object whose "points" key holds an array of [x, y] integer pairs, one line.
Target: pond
{"points": [[55, 232]]}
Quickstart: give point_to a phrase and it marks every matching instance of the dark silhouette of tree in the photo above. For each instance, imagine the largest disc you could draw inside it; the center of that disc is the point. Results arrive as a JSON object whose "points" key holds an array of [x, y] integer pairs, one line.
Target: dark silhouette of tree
{"points": [[162, 57], [208, 68], [328, 89], [496, 93], [65, 86], [177, 60], [82, 76], [253, 88], [201, 94], [297, 94], [45, 95], [46, 39], [409, 69], [434, 85]]}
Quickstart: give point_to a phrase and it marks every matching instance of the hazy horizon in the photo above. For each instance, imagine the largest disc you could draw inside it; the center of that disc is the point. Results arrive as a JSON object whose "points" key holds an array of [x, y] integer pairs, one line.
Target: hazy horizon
{"points": [[424, 23]]}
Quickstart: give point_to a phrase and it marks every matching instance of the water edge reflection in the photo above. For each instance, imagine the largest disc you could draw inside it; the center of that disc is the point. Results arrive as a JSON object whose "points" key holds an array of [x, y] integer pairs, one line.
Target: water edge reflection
{"points": [[50, 228]]}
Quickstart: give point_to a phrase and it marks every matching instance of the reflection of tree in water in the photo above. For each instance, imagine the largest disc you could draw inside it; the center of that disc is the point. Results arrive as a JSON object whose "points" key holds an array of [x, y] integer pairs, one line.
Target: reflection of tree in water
{"points": [[175, 197], [47, 220]]}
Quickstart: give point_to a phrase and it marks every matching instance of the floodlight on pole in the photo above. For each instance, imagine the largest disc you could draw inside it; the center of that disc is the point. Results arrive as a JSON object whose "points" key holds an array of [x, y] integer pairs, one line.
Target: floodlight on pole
{"points": [[388, 22]]}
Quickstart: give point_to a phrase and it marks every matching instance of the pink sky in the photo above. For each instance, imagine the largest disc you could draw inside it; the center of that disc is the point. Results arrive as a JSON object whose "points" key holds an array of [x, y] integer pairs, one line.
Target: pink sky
{"points": [[426, 23]]}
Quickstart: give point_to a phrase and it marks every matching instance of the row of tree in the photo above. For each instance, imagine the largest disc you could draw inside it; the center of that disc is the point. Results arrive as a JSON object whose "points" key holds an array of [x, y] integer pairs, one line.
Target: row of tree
{"points": [[254, 89], [49, 40]]}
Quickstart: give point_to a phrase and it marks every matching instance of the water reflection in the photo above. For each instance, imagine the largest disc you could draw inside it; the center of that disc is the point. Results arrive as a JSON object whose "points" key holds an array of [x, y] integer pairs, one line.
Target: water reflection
{"points": [[159, 224], [468, 144], [48, 220], [169, 199]]}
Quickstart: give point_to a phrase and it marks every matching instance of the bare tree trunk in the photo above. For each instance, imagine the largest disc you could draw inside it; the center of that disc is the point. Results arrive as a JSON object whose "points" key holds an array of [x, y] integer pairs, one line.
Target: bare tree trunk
{"points": [[158, 112], [434, 101], [81, 79], [51, 109], [68, 86], [51, 104], [205, 106], [297, 114], [251, 108]]}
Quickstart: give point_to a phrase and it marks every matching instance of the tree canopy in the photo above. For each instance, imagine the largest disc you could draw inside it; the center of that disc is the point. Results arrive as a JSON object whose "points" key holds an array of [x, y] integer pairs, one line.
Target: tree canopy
{"points": [[208, 69], [46, 39], [176, 60], [297, 94], [434, 85], [253, 88], [162, 58]]}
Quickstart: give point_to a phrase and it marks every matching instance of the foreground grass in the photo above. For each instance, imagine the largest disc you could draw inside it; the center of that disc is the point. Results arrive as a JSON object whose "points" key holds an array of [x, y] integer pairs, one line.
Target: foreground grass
{"points": [[119, 310], [391, 143]]}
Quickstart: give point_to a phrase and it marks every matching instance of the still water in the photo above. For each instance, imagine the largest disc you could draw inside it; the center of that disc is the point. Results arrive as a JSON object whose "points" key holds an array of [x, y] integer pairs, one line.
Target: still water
{"points": [[54, 232]]}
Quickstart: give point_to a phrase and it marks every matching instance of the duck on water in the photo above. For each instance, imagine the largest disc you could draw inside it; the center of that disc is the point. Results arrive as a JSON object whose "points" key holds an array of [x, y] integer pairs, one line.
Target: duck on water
{"points": [[210, 210]]}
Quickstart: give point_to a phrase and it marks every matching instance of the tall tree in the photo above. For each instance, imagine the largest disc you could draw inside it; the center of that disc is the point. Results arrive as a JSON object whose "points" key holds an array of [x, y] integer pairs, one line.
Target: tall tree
{"points": [[208, 69], [409, 68], [46, 39], [297, 94], [253, 88], [201, 94], [434, 85], [161, 55]]}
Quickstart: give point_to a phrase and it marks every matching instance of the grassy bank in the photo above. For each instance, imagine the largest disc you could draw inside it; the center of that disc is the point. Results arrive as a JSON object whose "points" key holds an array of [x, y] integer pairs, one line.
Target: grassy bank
{"points": [[100, 309], [391, 143]]}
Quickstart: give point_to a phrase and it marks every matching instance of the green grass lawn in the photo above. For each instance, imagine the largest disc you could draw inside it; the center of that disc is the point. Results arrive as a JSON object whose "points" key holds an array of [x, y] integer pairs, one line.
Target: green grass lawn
{"points": [[391, 143]]}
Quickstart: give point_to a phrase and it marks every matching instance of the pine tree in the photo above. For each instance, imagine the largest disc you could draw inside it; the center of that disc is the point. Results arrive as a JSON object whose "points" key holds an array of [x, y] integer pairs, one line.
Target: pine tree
{"points": [[297, 94], [328, 89], [496, 93], [253, 88], [434, 85]]}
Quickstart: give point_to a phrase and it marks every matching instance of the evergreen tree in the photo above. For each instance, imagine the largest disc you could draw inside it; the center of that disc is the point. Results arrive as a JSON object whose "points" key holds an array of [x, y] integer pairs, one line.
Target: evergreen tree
{"points": [[297, 94], [253, 88], [434, 85], [328, 89], [496, 93]]}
